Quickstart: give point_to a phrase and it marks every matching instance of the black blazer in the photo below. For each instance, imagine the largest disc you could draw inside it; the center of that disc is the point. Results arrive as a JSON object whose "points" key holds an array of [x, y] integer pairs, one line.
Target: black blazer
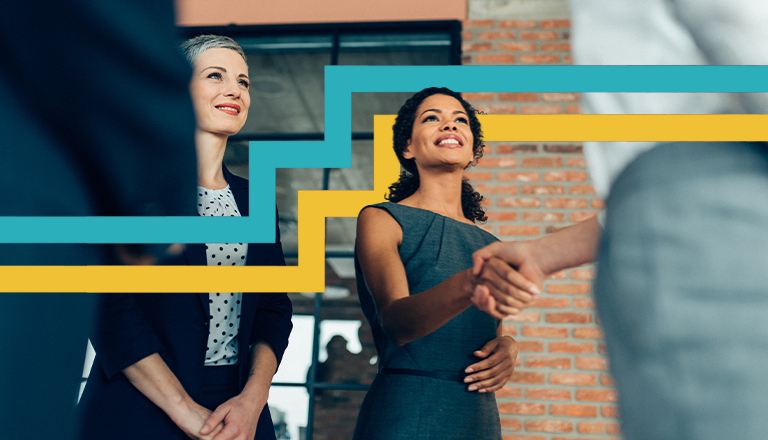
{"points": [[134, 325]]}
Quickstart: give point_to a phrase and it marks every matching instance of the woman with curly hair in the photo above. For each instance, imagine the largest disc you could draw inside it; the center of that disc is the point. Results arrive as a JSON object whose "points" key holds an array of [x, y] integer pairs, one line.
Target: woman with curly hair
{"points": [[440, 358]]}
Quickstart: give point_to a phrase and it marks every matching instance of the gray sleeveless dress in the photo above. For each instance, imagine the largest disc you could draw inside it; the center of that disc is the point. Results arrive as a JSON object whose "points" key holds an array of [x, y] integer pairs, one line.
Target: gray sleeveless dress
{"points": [[419, 393]]}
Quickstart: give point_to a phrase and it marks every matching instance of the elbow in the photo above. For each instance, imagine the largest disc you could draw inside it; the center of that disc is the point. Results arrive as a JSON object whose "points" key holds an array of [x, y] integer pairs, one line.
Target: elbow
{"points": [[398, 333]]}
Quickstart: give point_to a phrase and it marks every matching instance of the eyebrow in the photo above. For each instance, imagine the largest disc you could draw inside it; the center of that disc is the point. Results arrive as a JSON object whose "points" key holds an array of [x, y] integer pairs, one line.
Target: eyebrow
{"points": [[242, 75], [440, 111]]}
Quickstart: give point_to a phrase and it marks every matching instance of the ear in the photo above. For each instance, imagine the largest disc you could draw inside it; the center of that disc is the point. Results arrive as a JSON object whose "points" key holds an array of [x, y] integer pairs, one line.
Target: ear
{"points": [[407, 151]]}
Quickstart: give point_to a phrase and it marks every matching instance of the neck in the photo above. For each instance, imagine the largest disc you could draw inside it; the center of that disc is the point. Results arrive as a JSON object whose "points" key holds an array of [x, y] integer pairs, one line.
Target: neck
{"points": [[210, 154], [439, 192]]}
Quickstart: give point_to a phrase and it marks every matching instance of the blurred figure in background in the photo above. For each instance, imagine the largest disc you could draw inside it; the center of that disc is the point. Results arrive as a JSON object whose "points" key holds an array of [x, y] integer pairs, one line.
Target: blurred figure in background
{"points": [[95, 104], [680, 285]]}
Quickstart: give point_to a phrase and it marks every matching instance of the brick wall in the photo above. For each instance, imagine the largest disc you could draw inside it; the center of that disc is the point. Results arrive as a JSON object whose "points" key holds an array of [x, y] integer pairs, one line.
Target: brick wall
{"points": [[561, 388]]}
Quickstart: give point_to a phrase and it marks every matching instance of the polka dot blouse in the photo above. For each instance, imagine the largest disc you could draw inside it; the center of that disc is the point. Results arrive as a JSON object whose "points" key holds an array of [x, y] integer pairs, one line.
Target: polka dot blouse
{"points": [[224, 308]]}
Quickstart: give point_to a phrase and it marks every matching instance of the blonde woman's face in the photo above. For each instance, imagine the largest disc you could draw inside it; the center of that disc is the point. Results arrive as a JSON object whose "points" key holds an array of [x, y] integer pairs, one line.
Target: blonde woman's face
{"points": [[219, 89]]}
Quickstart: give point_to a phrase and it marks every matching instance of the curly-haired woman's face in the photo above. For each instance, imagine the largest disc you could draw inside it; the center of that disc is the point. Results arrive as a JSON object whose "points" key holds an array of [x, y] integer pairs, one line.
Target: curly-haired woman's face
{"points": [[219, 89], [441, 135]]}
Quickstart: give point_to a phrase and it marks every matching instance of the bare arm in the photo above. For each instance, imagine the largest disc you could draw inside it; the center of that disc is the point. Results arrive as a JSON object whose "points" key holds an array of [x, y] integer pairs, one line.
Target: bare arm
{"points": [[240, 414], [537, 259], [406, 317], [152, 377]]}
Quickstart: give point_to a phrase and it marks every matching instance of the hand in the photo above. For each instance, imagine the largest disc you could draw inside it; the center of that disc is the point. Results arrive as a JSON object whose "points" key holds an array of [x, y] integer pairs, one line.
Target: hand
{"points": [[496, 368], [239, 417], [500, 299], [190, 418]]}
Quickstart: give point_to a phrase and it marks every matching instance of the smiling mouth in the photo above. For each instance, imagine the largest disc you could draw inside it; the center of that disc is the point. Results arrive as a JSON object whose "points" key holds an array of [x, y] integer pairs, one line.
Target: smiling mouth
{"points": [[228, 109], [449, 143]]}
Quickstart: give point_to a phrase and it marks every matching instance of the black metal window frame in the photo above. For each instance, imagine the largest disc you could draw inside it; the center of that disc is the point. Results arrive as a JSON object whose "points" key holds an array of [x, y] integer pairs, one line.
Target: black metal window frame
{"points": [[336, 31]]}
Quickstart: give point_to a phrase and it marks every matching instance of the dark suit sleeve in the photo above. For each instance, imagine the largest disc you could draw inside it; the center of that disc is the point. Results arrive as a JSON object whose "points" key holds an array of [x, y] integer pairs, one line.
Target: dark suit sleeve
{"points": [[122, 336], [273, 317]]}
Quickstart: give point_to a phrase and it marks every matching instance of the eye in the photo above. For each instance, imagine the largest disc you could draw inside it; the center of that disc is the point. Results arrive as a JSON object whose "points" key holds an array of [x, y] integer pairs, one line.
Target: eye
{"points": [[430, 118], [244, 83], [214, 75], [462, 120]]}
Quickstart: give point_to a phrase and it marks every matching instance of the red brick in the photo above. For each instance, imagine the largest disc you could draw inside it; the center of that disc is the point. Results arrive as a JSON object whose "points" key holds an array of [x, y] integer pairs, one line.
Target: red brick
{"points": [[479, 175], [591, 427], [571, 288], [519, 97], [517, 148], [563, 148], [549, 426], [596, 395], [523, 408], [547, 362], [539, 58], [569, 347], [551, 109], [567, 176], [576, 217], [539, 36], [496, 35], [582, 274], [530, 346], [508, 330], [607, 380], [476, 47], [588, 333], [610, 411], [581, 189], [577, 162], [601, 348], [573, 109], [598, 204], [477, 24], [496, 216], [481, 96], [517, 24], [527, 377], [541, 162], [555, 47], [613, 428], [543, 189], [496, 58], [517, 47], [569, 317], [497, 162], [518, 176], [572, 379], [554, 24], [547, 394], [466, 59], [522, 437], [545, 332], [497, 109], [560, 275], [550, 217], [467, 35], [566, 203], [511, 424], [495, 189], [568, 59], [573, 410], [583, 303], [525, 316], [519, 230], [512, 392], [518, 202], [487, 228], [549, 302]]}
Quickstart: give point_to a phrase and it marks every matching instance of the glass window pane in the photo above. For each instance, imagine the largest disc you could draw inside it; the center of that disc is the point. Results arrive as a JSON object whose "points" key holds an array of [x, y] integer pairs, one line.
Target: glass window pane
{"points": [[289, 407]]}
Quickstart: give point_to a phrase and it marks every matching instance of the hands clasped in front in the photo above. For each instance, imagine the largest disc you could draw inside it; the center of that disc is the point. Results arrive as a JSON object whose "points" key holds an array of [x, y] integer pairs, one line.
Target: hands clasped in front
{"points": [[235, 419]]}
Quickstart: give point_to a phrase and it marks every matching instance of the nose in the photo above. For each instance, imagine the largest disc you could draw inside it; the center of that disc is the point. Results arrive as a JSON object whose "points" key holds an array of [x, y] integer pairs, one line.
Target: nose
{"points": [[450, 126], [233, 89]]}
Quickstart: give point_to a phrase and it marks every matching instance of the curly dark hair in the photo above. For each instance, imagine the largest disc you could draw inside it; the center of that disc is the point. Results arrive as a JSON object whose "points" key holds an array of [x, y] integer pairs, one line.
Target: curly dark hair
{"points": [[409, 182]]}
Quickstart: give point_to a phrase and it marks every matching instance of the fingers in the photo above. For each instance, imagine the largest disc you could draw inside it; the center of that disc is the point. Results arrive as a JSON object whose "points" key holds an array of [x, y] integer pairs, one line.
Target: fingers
{"points": [[480, 256], [230, 432], [490, 376], [216, 418], [505, 284]]}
